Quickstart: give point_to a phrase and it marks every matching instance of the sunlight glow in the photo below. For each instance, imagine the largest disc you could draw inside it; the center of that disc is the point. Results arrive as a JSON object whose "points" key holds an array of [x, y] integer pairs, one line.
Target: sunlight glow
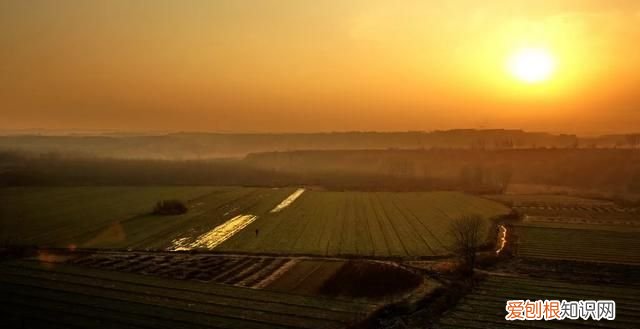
{"points": [[531, 65]]}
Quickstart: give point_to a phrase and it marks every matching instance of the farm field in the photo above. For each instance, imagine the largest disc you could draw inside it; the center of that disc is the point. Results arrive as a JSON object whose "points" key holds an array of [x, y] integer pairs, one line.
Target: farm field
{"points": [[560, 227], [194, 227], [581, 215], [119, 217], [239, 219], [550, 200], [567, 209], [484, 307], [245, 271], [63, 216], [306, 276], [609, 244], [371, 281], [378, 224], [36, 294]]}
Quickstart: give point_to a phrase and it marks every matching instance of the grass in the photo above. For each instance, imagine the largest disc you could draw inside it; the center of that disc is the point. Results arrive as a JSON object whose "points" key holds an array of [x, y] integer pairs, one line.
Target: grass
{"points": [[70, 296], [485, 306], [63, 216], [361, 223], [317, 223], [207, 212], [120, 217]]}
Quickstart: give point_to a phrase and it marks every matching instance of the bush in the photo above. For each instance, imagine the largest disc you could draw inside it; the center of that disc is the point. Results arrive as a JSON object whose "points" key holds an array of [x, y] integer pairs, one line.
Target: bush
{"points": [[170, 207]]}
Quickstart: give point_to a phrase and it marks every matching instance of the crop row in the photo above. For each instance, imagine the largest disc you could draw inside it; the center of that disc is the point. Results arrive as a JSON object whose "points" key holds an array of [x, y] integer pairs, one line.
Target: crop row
{"points": [[208, 212], [94, 298], [578, 244], [485, 305], [242, 271], [361, 223]]}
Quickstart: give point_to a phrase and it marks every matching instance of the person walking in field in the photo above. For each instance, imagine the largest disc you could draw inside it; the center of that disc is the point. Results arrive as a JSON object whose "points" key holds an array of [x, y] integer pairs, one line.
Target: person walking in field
{"points": [[257, 231]]}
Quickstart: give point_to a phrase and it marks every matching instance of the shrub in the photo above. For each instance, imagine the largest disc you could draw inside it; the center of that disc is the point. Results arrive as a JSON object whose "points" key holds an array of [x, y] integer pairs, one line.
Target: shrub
{"points": [[169, 207]]}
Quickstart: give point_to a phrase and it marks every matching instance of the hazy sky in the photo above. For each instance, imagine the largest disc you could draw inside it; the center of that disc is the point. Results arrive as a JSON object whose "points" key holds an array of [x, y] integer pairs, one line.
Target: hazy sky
{"points": [[296, 65]]}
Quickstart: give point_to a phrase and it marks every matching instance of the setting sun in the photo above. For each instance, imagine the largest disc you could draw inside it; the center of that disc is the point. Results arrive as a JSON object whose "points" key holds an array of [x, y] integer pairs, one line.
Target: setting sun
{"points": [[315, 164], [532, 65]]}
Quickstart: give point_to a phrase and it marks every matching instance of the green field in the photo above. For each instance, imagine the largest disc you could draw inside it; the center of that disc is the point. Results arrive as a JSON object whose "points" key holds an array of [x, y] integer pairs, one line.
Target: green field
{"points": [[205, 213], [119, 217], [485, 306], [35, 294], [587, 242], [317, 223], [61, 216], [361, 223]]}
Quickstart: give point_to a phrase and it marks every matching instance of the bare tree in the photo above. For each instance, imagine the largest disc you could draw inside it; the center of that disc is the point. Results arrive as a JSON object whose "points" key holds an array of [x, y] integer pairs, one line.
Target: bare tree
{"points": [[466, 235]]}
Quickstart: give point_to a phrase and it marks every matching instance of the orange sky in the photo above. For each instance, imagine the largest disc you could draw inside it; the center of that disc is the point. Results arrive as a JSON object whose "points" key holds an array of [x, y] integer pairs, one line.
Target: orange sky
{"points": [[296, 65]]}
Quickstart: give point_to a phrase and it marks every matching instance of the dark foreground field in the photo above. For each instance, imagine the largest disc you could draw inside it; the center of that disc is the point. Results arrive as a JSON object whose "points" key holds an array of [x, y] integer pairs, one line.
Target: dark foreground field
{"points": [[41, 294], [484, 307]]}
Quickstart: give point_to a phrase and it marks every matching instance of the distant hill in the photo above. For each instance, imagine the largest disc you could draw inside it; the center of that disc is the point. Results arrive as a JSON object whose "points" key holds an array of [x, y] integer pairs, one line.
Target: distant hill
{"points": [[213, 145]]}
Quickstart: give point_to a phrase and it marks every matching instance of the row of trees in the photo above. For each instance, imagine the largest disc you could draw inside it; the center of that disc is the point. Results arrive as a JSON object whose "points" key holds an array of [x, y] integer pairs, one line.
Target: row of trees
{"points": [[486, 178], [629, 140]]}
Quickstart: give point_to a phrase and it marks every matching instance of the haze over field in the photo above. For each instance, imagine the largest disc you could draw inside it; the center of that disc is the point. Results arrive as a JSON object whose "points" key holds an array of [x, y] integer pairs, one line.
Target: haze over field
{"points": [[307, 66]]}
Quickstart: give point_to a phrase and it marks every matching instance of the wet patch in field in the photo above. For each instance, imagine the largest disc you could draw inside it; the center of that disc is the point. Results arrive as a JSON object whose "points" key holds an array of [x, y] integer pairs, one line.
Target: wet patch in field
{"points": [[289, 200], [216, 236], [502, 238]]}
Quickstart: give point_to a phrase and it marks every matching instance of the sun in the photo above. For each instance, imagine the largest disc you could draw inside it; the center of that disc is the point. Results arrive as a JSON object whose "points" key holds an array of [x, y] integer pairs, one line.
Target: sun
{"points": [[532, 65]]}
